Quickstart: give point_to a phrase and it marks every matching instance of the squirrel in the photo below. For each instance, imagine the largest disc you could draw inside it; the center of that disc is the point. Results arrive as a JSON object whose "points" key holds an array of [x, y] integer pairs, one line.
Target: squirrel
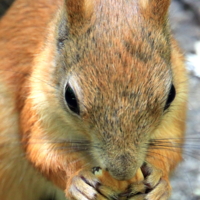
{"points": [[93, 100]]}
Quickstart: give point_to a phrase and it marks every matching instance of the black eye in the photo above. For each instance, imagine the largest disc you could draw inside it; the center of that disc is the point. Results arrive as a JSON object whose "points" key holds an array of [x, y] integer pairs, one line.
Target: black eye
{"points": [[71, 100], [171, 97]]}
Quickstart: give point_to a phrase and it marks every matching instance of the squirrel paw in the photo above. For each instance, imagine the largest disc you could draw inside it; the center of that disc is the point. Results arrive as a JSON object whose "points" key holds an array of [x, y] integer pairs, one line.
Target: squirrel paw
{"points": [[154, 186], [85, 186], [158, 187], [160, 192]]}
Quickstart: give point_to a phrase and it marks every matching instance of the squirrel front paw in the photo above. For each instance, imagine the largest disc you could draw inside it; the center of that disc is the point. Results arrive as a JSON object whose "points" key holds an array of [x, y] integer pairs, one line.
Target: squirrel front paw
{"points": [[86, 186], [157, 187]]}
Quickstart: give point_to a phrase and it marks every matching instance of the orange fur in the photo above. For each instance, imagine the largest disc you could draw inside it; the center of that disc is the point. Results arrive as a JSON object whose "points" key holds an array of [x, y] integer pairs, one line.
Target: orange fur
{"points": [[121, 59]]}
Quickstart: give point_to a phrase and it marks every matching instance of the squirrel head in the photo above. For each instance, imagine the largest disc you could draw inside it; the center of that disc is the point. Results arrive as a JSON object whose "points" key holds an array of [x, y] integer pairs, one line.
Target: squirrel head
{"points": [[106, 78]]}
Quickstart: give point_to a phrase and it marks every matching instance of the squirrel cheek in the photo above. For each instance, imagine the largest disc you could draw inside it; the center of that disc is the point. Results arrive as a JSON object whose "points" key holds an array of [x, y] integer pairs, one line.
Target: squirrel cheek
{"points": [[120, 186]]}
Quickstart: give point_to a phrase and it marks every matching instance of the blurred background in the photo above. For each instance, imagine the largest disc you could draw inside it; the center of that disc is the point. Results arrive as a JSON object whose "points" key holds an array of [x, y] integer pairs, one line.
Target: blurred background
{"points": [[185, 23]]}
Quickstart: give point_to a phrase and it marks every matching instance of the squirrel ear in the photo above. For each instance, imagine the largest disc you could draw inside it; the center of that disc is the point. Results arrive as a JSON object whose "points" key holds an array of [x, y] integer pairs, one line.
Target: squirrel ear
{"points": [[79, 13], [155, 9]]}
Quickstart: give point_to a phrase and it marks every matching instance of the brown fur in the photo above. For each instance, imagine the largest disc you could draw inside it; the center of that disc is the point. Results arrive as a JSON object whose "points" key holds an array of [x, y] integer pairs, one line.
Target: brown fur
{"points": [[120, 59]]}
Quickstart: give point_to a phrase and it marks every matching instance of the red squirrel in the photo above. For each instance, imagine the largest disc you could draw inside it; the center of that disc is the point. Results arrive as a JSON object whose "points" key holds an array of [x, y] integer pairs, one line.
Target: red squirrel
{"points": [[91, 90]]}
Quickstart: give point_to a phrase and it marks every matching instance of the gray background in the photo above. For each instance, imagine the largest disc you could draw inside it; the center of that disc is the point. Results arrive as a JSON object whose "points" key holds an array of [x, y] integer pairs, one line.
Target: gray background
{"points": [[185, 22]]}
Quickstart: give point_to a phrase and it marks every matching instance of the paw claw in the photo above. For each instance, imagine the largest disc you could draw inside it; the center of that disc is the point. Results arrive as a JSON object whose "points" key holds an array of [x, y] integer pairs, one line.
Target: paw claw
{"points": [[157, 186], [85, 186]]}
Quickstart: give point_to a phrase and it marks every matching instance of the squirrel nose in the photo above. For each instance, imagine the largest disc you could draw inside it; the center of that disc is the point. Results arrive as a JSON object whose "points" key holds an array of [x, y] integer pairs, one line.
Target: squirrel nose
{"points": [[122, 168], [122, 174]]}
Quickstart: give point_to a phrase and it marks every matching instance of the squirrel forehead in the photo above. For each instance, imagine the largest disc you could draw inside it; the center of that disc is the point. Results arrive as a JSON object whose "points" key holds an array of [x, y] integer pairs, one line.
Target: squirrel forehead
{"points": [[126, 82], [133, 90], [119, 37], [136, 51], [120, 54], [120, 63]]}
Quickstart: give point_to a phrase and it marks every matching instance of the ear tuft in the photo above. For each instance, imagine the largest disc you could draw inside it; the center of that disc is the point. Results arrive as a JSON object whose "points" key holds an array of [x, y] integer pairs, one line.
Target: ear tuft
{"points": [[155, 9], [79, 14]]}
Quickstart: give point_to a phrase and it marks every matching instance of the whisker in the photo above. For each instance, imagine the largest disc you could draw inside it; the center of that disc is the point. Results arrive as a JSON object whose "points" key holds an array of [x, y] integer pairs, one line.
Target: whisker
{"points": [[185, 151], [29, 75]]}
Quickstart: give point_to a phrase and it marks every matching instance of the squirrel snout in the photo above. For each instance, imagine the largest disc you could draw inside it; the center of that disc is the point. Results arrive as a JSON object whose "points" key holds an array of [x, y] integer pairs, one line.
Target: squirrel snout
{"points": [[122, 175], [122, 168]]}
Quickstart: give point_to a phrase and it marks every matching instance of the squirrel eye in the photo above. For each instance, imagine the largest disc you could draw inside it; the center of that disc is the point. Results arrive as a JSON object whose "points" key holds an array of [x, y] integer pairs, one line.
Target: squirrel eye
{"points": [[171, 97], [71, 99]]}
